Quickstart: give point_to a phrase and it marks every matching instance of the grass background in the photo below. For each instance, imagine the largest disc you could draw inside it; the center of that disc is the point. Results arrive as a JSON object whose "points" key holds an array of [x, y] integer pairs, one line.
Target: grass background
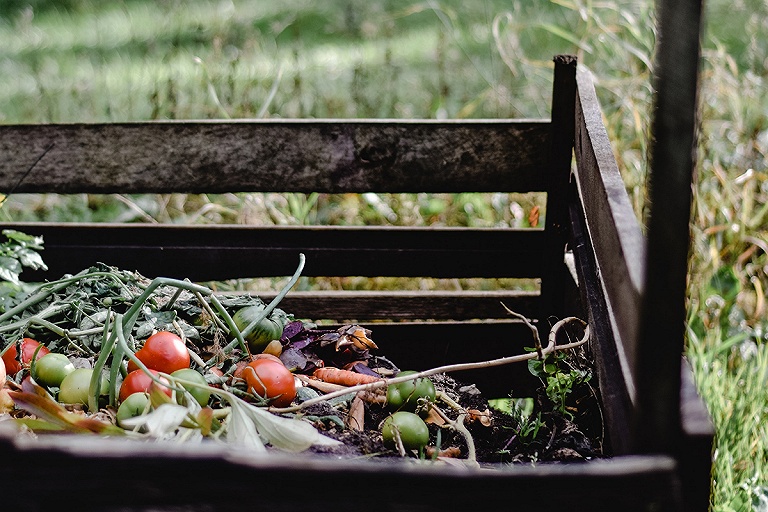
{"points": [[85, 60]]}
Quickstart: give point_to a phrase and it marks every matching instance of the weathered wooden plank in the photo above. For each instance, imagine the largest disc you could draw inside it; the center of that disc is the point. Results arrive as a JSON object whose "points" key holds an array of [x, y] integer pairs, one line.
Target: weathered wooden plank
{"points": [[625, 484], [276, 156], [405, 305], [206, 253], [616, 386], [612, 225]]}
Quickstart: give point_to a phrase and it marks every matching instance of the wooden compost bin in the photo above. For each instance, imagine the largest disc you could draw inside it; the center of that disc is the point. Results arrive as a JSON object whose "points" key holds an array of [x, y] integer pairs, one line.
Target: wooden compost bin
{"points": [[589, 222]]}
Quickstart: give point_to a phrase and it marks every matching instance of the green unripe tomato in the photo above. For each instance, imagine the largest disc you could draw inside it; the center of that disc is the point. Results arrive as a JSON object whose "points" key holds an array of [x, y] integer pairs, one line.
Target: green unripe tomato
{"points": [[200, 394], [413, 432], [51, 369], [135, 405], [268, 329], [74, 387], [405, 395]]}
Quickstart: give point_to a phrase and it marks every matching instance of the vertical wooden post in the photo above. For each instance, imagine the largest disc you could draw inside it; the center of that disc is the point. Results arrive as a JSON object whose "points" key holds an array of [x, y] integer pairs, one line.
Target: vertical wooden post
{"points": [[663, 313], [557, 220]]}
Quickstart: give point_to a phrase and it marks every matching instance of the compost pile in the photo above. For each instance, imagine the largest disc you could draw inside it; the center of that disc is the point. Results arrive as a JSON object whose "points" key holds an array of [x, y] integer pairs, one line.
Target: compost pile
{"points": [[110, 352]]}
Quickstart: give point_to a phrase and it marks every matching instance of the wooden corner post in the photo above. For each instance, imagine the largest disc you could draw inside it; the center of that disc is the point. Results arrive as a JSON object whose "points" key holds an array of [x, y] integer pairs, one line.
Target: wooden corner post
{"points": [[663, 312], [555, 274]]}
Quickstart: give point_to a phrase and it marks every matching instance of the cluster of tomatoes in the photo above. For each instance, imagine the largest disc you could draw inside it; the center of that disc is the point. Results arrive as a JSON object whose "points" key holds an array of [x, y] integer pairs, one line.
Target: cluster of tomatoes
{"points": [[162, 353], [165, 361]]}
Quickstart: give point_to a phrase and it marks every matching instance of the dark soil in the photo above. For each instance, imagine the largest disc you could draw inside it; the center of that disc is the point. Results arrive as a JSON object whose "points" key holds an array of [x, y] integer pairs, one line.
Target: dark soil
{"points": [[500, 439]]}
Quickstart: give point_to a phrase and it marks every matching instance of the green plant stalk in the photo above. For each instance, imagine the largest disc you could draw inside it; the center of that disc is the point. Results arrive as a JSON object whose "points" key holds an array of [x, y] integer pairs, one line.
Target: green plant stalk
{"points": [[47, 289], [64, 333], [283, 292], [94, 389], [133, 312]]}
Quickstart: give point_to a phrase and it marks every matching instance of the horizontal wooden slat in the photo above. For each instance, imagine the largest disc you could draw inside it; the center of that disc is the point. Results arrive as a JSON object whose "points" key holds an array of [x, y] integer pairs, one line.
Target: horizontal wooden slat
{"points": [[613, 227], [407, 305], [276, 155], [92, 465], [205, 253]]}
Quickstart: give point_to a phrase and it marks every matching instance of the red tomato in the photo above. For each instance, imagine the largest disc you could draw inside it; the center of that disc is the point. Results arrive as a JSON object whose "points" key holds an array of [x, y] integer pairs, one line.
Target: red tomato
{"points": [[139, 382], [28, 347], [164, 352], [270, 380]]}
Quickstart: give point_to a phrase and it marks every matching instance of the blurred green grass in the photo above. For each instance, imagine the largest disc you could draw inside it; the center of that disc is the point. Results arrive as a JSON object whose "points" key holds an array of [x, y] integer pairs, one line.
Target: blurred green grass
{"points": [[81, 60]]}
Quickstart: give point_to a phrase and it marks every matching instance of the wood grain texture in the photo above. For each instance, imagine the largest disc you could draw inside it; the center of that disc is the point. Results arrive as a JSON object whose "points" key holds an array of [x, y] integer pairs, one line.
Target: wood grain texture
{"points": [[213, 478], [218, 252], [611, 222], [405, 305], [616, 386], [332, 156]]}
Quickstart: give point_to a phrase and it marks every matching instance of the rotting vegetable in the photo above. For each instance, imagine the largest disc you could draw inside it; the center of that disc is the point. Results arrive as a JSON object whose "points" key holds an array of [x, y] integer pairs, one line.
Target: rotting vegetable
{"points": [[411, 395], [219, 386], [259, 328], [51, 369], [199, 391], [164, 352], [14, 364], [140, 382], [270, 381], [75, 386], [405, 429]]}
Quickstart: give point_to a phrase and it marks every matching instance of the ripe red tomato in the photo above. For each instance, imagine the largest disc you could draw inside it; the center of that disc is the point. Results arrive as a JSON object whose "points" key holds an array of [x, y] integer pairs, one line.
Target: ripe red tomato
{"points": [[28, 347], [270, 380], [139, 382], [164, 352]]}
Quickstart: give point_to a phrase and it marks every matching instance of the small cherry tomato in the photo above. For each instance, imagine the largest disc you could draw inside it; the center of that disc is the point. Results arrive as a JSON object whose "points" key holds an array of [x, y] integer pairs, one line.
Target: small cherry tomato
{"points": [[271, 381], [134, 405], [200, 394], [411, 429], [51, 369], [164, 352], [405, 395], [28, 347], [75, 386], [139, 382]]}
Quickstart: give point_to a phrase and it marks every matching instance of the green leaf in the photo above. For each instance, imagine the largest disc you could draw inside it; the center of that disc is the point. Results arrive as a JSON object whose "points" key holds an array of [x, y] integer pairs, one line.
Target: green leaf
{"points": [[10, 268], [31, 259], [23, 239], [287, 434]]}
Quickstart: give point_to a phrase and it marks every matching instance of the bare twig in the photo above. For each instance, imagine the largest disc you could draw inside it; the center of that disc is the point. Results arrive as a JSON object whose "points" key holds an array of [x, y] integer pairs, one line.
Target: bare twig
{"points": [[534, 330], [551, 347]]}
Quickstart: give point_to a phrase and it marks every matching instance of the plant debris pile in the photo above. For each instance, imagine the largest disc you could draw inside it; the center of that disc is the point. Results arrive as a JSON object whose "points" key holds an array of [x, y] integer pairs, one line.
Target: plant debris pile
{"points": [[111, 352]]}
